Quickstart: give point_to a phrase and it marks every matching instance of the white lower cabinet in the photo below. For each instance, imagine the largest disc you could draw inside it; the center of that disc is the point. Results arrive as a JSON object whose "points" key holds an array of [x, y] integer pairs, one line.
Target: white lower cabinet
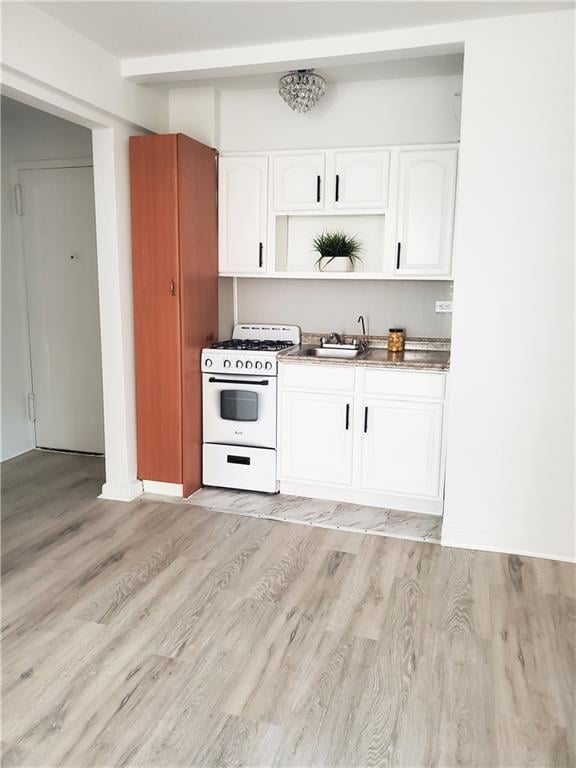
{"points": [[371, 437], [316, 437], [400, 447]]}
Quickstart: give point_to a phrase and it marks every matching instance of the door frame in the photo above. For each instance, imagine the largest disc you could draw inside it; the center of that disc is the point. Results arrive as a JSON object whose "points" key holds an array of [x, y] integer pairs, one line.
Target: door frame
{"points": [[110, 160], [16, 179]]}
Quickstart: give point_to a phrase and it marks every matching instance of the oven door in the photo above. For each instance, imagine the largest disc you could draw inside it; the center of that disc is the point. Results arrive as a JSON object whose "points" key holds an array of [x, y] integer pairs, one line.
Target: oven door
{"points": [[239, 410]]}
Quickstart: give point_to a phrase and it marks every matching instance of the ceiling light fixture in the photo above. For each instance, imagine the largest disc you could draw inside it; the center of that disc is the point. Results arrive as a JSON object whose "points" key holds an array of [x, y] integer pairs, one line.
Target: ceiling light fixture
{"points": [[301, 89]]}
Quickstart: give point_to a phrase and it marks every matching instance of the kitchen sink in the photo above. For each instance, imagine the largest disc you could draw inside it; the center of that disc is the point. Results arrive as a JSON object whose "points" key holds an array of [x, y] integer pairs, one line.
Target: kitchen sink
{"points": [[345, 352]]}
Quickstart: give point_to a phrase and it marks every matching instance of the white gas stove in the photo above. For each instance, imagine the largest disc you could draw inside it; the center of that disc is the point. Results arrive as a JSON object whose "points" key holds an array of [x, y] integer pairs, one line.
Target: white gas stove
{"points": [[252, 349], [239, 406]]}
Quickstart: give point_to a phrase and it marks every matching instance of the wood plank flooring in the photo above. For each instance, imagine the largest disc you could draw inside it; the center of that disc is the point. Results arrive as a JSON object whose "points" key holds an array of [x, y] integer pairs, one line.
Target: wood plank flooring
{"points": [[154, 634]]}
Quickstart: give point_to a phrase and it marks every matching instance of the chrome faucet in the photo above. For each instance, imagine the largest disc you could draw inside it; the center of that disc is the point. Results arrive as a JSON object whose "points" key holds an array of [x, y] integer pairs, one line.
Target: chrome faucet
{"points": [[361, 320], [335, 337]]}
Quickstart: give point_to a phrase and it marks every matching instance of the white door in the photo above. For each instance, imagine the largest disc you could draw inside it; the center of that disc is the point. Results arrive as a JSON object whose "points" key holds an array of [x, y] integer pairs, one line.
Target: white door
{"points": [[299, 182], [427, 189], [400, 447], [242, 203], [59, 233], [361, 179], [316, 438]]}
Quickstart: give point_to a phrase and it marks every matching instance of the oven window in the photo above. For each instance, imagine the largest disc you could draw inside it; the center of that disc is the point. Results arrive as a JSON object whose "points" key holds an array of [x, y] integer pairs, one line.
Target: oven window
{"points": [[238, 405]]}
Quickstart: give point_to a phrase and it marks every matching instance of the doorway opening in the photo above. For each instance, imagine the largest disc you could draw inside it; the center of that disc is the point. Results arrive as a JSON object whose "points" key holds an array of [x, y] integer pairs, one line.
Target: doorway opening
{"points": [[51, 352]]}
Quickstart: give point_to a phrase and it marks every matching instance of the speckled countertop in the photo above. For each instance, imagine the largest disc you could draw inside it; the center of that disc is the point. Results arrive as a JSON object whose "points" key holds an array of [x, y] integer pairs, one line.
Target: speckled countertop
{"points": [[422, 354]]}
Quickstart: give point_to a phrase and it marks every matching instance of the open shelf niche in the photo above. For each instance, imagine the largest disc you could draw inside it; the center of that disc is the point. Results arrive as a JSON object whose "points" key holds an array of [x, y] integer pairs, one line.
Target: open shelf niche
{"points": [[295, 234]]}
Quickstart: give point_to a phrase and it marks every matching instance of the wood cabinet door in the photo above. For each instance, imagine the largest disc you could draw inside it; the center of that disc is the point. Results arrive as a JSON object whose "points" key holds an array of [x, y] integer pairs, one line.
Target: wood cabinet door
{"points": [[426, 197], [361, 179], [198, 290], [316, 437], [157, 311], [243, 201], [299, 182], [400, 446]]}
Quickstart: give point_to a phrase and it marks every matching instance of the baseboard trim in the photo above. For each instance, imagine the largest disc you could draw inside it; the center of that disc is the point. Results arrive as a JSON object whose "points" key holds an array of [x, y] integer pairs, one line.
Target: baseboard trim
{"points": [[121, 491], [163, 489], [524, 546], [366, 498]]}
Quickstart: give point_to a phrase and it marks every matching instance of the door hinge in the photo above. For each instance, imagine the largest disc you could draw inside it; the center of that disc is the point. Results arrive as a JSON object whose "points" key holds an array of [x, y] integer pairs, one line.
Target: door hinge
{"points": [[32, 406], [18, 199]]}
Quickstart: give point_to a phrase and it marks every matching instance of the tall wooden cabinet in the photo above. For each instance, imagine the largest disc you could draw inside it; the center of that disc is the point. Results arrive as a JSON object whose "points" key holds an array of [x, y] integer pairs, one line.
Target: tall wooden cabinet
{"points": [[175, 277]]}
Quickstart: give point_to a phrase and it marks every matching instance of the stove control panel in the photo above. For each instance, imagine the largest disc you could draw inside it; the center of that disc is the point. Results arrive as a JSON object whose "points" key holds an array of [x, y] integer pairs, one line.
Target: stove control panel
{"points": [[244, 363]]}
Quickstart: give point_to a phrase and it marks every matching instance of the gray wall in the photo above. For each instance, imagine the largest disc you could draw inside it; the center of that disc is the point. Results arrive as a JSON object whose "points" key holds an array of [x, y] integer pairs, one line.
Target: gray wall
{"points": [[357, 114], [334, 305], [225, 307]]}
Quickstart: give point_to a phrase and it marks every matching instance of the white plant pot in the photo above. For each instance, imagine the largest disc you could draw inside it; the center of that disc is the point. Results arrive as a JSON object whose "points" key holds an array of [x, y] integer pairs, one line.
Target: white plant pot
{"points": [[339, 264]]}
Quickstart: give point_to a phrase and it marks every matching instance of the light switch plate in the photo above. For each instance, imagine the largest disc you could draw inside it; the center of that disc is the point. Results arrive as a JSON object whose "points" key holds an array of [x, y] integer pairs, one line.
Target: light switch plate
{"points": [[443, 306]]}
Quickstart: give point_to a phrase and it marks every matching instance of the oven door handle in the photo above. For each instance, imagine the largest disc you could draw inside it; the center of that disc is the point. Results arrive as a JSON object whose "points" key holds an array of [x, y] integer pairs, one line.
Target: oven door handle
{"points": [[263, 383]]}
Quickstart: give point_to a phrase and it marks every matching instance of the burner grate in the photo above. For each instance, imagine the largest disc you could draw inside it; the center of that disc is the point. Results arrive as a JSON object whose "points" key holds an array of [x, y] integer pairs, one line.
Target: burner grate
{"points": [[252, 345]]}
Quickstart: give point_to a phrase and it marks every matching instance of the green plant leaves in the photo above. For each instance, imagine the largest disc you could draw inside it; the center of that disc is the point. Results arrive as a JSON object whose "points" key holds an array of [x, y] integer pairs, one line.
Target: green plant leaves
{"points": [[337, 245]]}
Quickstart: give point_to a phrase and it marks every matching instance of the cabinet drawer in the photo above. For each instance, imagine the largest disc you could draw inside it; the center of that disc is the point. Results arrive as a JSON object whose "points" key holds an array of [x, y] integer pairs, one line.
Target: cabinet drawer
{"points": [[324, 378], [431, 386]]}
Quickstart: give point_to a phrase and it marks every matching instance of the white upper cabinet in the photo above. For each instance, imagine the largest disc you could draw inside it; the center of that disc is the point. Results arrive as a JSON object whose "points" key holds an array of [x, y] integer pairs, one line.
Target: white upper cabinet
{"points": [[273, 204], [242, 214], [298, 181], [359, 179], [426, 196], [400, 447]]}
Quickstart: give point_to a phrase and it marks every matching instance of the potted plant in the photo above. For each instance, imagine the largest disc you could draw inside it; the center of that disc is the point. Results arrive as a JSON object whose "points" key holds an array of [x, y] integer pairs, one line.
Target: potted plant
{"points": [[338, 251]]}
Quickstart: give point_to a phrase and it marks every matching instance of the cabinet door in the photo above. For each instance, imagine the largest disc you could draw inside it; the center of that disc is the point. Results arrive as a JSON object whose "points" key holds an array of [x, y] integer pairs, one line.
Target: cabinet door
{"points": [[401, 447], [316, 438], [299, 182], [242, 202], [157, 306], [361, 179], [427, 188]]}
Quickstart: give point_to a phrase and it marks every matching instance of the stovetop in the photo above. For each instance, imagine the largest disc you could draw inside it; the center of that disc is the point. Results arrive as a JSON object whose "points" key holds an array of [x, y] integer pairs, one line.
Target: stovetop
{"points": [[252, 350], [253, 345]]}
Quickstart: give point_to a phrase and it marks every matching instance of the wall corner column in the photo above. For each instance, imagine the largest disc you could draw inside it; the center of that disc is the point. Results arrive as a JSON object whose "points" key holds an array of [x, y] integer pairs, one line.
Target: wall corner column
{"points": [[112, 196]]}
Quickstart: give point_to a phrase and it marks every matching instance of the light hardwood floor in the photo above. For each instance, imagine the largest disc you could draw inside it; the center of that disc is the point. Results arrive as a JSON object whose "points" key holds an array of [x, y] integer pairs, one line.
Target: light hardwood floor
{"points": [[153, 634]]}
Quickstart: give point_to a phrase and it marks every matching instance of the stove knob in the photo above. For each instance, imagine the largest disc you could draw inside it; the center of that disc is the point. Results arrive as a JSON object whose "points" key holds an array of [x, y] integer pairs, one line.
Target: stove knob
{"points": [[248, 364], [258, 364], [268, 365], [208, 362], [227, 363], [239, 364]]}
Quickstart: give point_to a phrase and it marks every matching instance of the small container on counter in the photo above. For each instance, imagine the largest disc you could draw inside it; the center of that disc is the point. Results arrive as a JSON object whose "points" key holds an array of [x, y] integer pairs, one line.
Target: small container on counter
{"points": [[396, 340]]}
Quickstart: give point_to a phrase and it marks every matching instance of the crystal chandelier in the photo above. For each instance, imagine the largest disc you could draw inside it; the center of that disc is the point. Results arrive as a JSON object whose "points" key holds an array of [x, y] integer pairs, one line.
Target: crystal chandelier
{"points": [[301, 89]]}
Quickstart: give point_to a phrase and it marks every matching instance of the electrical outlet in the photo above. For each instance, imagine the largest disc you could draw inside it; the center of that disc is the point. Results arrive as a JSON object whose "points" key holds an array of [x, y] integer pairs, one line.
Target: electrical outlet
{"points": [[443, 306]]}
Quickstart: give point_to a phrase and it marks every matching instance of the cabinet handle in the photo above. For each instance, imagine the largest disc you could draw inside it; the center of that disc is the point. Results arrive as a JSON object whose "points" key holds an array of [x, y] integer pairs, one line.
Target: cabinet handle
{"points": [[337, 186], [365, 418], [260, 257], [317, 189], [347, 416], [398, 255], [173, 287]]}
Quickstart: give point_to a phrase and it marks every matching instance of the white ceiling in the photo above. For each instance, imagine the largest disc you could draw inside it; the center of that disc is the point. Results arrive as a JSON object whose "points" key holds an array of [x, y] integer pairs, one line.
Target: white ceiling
{"points": [[134, 29]]}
